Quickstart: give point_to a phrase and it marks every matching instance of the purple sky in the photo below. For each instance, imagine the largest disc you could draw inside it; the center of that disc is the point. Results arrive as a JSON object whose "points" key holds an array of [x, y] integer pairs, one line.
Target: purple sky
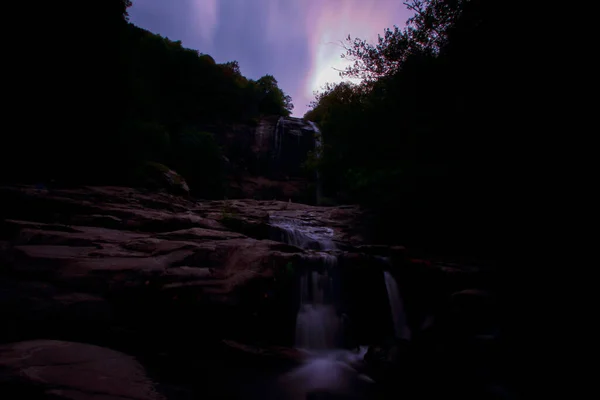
{"points": [[297, 41]]}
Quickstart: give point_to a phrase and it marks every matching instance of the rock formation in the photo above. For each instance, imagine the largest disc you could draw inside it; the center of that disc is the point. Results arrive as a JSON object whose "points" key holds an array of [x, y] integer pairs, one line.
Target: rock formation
{"points": [[184, 285], [266, 162]]}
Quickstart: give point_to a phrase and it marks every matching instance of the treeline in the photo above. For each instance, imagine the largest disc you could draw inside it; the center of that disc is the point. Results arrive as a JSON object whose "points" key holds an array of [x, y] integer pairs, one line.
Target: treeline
{"points": [[117, 97], [427, 140]]}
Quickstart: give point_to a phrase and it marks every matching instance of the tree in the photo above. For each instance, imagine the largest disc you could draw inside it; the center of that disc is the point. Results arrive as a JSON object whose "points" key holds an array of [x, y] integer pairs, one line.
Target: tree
{"points": [[273, 100], [422, 141], [129, 97], [124, 5], [425, 33]]}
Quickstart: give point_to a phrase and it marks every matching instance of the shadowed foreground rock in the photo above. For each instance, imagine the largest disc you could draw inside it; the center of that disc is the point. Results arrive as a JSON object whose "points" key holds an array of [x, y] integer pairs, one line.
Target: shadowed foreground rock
{"points": [[48, 369], [205, 294], [136, 270]]}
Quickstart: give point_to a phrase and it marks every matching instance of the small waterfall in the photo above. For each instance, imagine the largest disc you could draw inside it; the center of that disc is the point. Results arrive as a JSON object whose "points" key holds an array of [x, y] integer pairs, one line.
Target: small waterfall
{"points": [[328, 370], [397, 308], [301, 234], [318, 149], [317, 324]]}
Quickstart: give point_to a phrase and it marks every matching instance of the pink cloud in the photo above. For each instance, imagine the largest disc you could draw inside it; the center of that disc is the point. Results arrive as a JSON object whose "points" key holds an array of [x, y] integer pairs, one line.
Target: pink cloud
{"points": [[206, 14], [330, 22]]}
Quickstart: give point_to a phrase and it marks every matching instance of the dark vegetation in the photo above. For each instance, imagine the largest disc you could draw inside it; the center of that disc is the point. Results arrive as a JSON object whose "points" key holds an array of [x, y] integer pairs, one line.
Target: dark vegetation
{"points": [[117, 97], [428, 139]]}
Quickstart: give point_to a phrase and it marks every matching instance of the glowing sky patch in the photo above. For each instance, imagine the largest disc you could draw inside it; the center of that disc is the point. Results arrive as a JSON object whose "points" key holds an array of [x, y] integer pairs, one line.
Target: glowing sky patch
{"points": [[297, 41], [205, 13]]}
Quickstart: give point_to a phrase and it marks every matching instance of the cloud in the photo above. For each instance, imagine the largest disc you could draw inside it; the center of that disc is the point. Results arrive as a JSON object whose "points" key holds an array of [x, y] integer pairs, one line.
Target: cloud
{"points": [[206, 18], [297, 41], [329, 23]]}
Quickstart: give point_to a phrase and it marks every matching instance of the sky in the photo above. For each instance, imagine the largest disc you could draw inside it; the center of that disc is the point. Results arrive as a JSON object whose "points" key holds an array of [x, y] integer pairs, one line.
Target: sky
{"points": [[296, 41]]}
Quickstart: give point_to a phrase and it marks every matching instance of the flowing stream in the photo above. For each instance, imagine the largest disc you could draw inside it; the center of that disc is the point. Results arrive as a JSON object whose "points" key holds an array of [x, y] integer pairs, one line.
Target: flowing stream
{"points": [[397, 307], [317, 325], [328, 370]]}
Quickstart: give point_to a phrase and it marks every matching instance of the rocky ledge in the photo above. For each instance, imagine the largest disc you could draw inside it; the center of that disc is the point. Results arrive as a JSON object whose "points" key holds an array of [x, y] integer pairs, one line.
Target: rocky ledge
{"points": [[116, 257], [184, 285], [50, 369], [145, 273]]}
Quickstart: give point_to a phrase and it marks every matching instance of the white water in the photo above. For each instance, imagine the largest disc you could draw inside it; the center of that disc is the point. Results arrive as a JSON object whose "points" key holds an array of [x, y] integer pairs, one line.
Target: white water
{"points": [[397, 307], [335, 372], [318, 149], [327, 369], [278, 137], [302, 234], [317, 324]]}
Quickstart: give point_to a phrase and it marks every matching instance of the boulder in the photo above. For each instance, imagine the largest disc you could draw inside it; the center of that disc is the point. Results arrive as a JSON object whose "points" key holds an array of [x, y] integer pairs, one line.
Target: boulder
{"points": [[158, 176], [64, 370]]}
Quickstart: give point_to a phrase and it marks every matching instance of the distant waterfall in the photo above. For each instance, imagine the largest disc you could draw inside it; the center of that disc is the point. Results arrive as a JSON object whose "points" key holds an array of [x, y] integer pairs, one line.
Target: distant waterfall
{"points": [[318, 148], [278, 137], [397, 308]]}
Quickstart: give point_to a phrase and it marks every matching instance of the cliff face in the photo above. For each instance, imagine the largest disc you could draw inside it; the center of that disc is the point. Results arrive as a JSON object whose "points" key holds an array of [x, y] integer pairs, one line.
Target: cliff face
{"points": [[266, 161]]}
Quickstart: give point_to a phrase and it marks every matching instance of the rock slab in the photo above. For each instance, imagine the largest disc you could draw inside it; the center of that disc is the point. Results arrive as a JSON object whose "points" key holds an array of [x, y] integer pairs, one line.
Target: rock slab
{"points": [[74, 371]]}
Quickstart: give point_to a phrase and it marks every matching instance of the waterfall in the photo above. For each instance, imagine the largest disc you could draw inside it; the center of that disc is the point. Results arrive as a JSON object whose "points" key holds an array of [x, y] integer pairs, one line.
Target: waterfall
{"points": [[278, 137], [301, 234], [318, 139], [318, 149], [317, 324], [397, 308], [328, 370]]}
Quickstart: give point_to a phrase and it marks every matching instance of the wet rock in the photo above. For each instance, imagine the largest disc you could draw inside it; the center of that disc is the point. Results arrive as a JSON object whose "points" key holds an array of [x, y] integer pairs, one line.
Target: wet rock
{"points": [[257, 355], [33, 309], [125, 268], [199, 234], [74, 371]]}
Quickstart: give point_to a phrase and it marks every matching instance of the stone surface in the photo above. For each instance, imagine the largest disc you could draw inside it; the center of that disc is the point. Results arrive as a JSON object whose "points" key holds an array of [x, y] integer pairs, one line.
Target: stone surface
{"points": [[80, 263], [275, 354], [265, 161], [74, 371], [157, 273]]}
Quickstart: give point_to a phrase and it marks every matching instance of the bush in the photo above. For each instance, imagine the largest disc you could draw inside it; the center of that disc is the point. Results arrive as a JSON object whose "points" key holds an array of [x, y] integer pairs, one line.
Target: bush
{"points": [[153, 175], [198, 158]]}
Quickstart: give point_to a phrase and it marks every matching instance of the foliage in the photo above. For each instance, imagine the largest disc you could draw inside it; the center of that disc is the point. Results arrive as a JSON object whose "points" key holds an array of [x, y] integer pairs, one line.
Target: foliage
{"points": [[272, 100], [130, 97], [418, 140], [153, 175], [426, 33], [228, 211], [197, 158]]}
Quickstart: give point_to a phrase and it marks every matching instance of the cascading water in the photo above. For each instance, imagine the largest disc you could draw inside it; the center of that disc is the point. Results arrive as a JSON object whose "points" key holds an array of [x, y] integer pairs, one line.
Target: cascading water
{"points": [[401, 330], [327, 370], [278, 137], [318, 150], [301, 233], [317, 325]]}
